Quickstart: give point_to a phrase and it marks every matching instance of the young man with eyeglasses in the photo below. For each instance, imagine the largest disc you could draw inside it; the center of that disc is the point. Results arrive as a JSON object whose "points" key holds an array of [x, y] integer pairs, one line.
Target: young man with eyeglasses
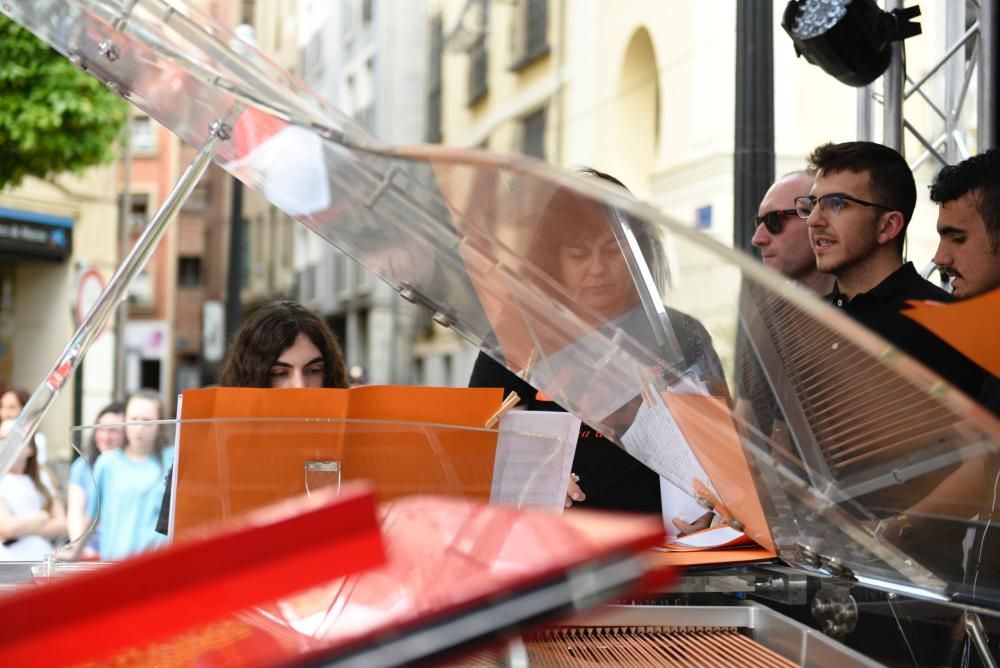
{"points": [[857, 213], [783, 237]]}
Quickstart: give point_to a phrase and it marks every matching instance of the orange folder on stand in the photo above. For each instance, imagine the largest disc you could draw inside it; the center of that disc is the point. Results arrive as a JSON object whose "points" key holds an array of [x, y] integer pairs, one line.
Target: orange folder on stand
{"points": [[244, 448], [708, 427], [971, 326]]}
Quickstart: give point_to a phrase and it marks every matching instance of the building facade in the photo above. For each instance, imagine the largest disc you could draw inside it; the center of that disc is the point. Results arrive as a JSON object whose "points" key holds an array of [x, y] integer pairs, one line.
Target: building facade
{"points": [[52, 233], [268, 261], [646, 92], [370, 59], [149, 172]]}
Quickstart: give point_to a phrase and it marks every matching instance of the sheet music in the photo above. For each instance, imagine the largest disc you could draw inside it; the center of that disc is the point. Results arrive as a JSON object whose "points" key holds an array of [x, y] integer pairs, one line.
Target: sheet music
{"points": [[678, 503], [534, 459], [657, 441]]}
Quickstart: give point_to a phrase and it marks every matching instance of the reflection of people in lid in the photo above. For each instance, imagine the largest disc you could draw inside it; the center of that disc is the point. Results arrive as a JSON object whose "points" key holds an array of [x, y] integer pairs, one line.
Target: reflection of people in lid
{"points": [[574, 246]]}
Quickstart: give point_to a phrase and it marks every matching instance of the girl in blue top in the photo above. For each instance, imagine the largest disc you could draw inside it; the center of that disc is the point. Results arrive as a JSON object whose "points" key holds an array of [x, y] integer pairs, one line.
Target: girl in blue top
{"points": [[130, 482], [81, 474]]}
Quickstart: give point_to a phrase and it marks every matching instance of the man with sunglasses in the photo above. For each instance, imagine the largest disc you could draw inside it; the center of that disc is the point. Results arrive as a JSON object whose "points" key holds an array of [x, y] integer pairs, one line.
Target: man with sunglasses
{"points": [[783, 237]]}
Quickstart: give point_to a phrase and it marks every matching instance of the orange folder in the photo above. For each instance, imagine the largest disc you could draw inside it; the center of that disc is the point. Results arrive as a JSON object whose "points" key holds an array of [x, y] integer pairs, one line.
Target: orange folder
{"points": [[708, 426], [243, 448], [971, 326]]}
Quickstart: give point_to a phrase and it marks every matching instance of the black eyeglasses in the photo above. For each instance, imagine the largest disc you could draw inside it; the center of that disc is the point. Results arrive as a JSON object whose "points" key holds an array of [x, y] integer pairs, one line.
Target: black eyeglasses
{"points": [[773, 221], [831, 202]]}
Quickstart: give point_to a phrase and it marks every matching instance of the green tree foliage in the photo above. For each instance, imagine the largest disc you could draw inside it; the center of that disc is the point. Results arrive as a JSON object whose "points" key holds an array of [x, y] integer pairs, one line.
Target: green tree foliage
{"points": [[53, 117]]}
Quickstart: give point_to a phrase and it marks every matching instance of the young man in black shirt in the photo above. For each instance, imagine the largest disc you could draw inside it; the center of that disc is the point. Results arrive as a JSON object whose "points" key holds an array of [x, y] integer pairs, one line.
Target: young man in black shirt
{"points": [[857, 213]]}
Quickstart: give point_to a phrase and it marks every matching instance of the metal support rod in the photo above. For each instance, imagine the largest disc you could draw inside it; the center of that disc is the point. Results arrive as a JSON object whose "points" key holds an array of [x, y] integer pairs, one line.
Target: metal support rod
{"points": [[237, 261], [969, 34], [892, 89], [970, 67], [954, 77], [41, 399], [988, 122], [125, 216], [649, 293], [866, 128], [930, 103], [926, 155], [974, 626], [926, 144]]}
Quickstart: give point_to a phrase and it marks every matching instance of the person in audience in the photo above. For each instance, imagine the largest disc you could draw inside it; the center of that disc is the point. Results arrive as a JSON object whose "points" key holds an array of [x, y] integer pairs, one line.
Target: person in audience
{"points": [[101, 439], [968, 195], [129, 482], [282, 344], [574, 245], [782, 237], [31, 513], [12, 402]]}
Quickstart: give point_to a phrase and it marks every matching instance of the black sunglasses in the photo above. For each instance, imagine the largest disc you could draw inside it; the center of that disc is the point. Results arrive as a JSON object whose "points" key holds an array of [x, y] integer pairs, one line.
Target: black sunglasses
{"points": [[774, 220]]}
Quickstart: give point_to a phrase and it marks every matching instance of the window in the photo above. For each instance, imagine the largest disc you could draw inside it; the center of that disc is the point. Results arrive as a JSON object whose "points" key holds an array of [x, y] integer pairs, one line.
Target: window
{"points": [[138, 211], [533, 134], [312, 56], [479, 61], [357, 15], [247, 11], [434, 80], [530, 39], [143, 135], [189, 272], [140, 291], [199, 198]]}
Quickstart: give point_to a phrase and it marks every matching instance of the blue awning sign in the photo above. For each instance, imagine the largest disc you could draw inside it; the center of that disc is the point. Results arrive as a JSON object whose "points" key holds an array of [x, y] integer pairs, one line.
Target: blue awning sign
{"points": [[34, 235]]}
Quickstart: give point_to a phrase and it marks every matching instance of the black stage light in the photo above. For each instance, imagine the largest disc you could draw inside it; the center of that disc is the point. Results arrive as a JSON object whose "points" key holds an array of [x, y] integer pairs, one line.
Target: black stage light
{"points": [[850, 39]]}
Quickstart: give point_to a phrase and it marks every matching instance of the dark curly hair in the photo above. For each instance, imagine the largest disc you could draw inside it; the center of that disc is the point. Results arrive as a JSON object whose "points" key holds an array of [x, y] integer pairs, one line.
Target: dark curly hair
{"points": [[267, 333], [889, 177], [979, 175]]}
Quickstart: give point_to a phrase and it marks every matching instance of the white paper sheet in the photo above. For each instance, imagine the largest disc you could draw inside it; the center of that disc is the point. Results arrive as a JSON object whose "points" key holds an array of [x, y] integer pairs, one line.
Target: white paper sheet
{"points": [[534, 459], [656, 440], [715, 537]]}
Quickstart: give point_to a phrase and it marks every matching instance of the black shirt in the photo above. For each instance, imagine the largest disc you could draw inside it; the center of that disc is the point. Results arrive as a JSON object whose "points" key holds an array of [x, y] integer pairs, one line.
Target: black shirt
{"points": [[881, 310], [610, 477]]}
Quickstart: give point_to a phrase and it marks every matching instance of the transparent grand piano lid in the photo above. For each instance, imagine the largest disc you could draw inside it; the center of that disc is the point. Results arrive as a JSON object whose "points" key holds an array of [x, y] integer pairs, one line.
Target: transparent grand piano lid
{"points": [[741, 390]]}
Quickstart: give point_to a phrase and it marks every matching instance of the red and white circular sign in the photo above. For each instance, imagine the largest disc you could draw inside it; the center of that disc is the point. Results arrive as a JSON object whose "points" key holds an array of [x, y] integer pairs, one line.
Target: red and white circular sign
{"points": [[89, 286]]}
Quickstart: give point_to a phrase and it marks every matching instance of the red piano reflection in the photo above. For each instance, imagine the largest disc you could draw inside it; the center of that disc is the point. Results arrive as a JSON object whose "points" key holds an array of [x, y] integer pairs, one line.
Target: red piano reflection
{"points": [[458, 573]]}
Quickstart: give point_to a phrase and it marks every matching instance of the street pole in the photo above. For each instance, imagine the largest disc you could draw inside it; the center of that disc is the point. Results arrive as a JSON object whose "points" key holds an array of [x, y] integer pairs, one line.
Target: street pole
{"points": [[234, 275], [989, 73], [892, 91], [124, 217], [754, 148]]}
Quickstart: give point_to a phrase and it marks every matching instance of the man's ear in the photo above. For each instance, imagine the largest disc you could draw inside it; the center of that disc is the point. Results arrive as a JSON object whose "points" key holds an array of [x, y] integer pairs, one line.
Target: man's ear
{"points": [[890, 226]]}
